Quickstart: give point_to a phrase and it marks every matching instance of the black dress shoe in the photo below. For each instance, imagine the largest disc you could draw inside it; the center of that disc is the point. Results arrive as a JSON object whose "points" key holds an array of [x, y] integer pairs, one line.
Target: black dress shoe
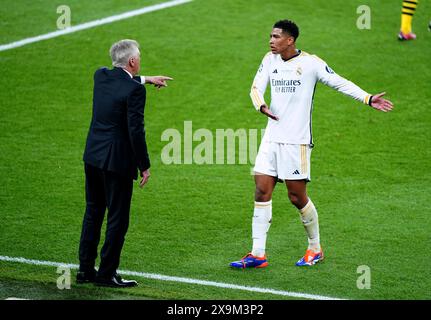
{"points": [[115, 282], [85, 276]]}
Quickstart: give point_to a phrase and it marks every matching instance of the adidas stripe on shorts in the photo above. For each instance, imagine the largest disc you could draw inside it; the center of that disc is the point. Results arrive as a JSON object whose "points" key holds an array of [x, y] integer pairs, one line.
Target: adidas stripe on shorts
{"points": [[284, 161]]}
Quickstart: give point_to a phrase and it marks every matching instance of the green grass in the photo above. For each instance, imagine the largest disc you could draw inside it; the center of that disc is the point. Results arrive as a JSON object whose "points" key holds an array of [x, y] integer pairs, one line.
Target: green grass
{"points": [[370, 171]]}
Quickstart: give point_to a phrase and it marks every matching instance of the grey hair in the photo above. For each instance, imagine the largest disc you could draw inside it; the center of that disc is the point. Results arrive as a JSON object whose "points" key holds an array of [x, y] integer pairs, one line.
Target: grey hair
{"points": [[122, 51]]}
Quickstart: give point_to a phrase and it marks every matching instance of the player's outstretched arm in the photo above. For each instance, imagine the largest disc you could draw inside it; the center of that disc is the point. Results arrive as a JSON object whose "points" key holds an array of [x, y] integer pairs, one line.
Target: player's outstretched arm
{"points": [[379, 103]]}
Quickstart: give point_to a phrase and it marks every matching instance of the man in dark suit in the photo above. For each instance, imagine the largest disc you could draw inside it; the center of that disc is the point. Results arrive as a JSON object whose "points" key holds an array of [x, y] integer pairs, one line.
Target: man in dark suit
{"points": [[115, 150]]}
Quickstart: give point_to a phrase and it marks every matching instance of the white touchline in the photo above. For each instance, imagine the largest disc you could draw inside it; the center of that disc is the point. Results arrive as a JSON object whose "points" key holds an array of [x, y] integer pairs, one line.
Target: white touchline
{"points": [[93, 24], [178, 279]]}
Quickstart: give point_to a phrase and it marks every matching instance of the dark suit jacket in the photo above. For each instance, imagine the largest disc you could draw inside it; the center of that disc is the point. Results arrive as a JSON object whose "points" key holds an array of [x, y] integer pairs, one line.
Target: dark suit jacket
{"points": [[116, 139]]}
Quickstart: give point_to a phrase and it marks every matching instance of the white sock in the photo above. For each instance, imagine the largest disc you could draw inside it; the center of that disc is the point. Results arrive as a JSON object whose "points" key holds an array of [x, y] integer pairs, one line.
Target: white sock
{"points": [[310, 220], [261, 222]]}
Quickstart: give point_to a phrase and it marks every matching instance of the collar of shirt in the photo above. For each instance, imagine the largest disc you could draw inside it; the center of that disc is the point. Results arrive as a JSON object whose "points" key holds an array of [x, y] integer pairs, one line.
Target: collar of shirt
{"points": [[298, 52], [128, 73]]}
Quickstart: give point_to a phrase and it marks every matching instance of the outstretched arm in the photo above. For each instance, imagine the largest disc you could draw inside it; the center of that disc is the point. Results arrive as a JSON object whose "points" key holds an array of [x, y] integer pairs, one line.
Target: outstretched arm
{"points": [[158, 81], [379, 103], [327, 76]]}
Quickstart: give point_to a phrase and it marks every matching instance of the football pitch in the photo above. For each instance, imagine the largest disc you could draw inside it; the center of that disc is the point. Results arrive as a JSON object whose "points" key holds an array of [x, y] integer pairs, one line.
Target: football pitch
{"points": [[371, 180]]}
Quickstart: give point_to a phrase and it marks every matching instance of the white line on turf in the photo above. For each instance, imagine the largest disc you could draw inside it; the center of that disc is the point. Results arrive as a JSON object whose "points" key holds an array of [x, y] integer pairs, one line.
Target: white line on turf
{"points": [[179, 279], [93, 24]]}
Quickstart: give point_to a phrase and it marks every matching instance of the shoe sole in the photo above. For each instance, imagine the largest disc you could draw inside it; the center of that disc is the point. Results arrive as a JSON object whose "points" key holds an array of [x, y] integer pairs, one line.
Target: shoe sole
{"points": [[113, 286], [84, 281], [405, 39], [263, 265], [310, 265]]}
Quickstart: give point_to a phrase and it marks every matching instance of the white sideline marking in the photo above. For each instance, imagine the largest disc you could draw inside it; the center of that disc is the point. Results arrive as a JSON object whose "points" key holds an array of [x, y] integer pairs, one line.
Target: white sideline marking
{"points": [[93, 24], [179, 279]]}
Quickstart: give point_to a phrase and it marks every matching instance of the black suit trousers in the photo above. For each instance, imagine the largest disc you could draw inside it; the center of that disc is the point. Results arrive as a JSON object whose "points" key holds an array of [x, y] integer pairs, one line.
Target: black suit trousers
{"points": [[111, 191]]}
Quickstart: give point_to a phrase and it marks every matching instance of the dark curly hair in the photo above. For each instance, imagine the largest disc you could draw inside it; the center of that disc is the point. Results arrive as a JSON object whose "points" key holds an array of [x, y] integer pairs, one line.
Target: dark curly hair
{"points": [[289, 27]]}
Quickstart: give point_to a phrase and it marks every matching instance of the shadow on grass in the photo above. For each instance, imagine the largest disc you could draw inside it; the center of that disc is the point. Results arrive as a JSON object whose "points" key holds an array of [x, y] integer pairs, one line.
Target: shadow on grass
{"points": [[34, 290]]}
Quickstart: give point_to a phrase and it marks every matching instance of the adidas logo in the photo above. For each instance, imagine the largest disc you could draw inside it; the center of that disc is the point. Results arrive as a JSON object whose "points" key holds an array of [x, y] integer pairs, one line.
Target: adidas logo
{"points": [[275, 71], [296, 172]]}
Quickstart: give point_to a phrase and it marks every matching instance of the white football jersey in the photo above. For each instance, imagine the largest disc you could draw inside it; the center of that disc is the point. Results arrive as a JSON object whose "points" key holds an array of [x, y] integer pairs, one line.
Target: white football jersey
{"points": [[292, 89]]}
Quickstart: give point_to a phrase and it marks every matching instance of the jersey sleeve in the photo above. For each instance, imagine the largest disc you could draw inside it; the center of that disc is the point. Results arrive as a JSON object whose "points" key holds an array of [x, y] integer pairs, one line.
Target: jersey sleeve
{"points": [[328, 77], [260, 83]]}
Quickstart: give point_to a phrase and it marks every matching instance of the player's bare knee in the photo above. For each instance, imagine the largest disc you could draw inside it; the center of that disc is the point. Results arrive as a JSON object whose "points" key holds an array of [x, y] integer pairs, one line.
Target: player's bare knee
{"points": [[292, 197], [262, 195], [295, 199]]}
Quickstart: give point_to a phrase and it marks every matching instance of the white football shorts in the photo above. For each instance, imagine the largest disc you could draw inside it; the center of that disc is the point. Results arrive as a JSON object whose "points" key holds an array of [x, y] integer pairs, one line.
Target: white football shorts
{"points": [[284, 161]]}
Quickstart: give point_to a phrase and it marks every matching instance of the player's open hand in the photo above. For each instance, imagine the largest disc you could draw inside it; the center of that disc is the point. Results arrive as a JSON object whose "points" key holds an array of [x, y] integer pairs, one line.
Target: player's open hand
{"points": [[158, 81], [145, 175], [265, 110], [377, 102]]}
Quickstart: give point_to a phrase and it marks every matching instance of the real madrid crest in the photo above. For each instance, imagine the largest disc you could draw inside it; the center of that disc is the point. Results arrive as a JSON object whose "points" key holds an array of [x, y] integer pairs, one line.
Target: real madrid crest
{"points": [[299, 71]]}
